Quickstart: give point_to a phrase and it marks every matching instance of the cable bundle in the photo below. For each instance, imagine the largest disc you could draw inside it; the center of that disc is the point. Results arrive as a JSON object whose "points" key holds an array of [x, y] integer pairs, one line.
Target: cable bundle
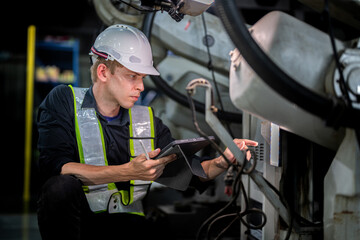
{"points": [[238, 187]]}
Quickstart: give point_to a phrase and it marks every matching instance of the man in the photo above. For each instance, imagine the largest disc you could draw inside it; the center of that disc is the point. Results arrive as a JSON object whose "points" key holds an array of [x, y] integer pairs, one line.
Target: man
{"points": [[89, 141]]}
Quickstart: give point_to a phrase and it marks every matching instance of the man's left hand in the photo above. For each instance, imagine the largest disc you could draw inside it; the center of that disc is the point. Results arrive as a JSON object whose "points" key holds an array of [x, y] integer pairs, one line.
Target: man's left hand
{"points": [[242, 145]]}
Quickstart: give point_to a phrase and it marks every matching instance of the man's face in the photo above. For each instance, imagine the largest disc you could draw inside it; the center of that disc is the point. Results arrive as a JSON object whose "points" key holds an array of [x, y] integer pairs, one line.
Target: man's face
{"points": [[125, 86]]}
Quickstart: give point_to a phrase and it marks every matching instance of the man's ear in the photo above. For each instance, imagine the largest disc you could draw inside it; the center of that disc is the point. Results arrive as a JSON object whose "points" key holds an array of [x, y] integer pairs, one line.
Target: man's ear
{"points": [[102, 72]]}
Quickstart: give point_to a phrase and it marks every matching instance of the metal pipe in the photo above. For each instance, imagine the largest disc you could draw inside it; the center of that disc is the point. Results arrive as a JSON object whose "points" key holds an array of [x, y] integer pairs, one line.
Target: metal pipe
{"points": [[29, 107]]}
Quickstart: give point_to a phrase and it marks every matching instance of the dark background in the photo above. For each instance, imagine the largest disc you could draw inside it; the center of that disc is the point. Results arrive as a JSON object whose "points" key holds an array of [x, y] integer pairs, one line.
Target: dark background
{"points": [[74, 19]]}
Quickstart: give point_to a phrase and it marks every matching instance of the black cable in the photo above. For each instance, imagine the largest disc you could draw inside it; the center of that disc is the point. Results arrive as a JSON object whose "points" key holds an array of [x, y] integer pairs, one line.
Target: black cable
{"points": [[274, 189], [248, 211], [237, 184], [239, 214], [213, 144], [211, 68], [229, 225], [162, 85], [135, 7], [245, 168], [291, 217], [232, 200], [238, 187], [210, 65], [342, 84]]}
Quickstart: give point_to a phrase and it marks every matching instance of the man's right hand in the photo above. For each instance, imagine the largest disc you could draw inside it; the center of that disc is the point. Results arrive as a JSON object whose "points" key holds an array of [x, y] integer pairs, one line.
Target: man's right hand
{"points": [[149, 170], [138, 169]]}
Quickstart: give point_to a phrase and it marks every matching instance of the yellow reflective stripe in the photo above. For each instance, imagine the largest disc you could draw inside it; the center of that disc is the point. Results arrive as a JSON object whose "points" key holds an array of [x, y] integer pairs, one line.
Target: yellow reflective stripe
{"points": [[101, 211], [131, 191], [111, 186], [137, 213], [131, 141], [152, 128], [85, 188], [124, 197], [129, 196], [77, 130]]}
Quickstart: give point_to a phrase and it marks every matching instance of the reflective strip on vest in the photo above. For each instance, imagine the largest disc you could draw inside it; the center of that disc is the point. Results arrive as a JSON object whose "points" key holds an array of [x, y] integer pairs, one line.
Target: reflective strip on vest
{"points": [[141, 128], [92, 151]]}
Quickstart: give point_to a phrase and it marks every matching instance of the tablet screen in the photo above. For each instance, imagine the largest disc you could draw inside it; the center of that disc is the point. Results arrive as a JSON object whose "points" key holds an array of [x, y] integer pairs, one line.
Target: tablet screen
{"points": [[189, 146]]}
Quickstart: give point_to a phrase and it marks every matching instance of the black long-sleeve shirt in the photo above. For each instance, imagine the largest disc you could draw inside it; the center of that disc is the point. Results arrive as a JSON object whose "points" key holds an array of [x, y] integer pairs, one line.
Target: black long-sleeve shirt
{"points": [[57, 139]]}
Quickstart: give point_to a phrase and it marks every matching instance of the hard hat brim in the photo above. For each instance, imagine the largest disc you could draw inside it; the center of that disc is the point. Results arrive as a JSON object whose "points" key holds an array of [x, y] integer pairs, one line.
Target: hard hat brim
{"points": [[148, 70]]}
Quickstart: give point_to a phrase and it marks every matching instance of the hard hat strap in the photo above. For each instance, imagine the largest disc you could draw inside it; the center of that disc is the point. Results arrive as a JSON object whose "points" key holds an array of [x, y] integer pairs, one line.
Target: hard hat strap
{"points": [[101, 54]]}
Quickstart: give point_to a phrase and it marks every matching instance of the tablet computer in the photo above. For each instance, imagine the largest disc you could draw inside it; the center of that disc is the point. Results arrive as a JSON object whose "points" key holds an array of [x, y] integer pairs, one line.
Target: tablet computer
{"points": [[189, 146], [178, 174]]}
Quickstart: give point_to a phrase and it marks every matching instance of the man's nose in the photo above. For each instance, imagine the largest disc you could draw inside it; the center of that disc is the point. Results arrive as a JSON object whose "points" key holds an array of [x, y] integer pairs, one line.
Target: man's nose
{"points": [[140, 85]]}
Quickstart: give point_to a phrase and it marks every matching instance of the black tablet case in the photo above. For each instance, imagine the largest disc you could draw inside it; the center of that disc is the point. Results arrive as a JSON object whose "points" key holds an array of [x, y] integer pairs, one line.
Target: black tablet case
{"points": [[178, 173]]}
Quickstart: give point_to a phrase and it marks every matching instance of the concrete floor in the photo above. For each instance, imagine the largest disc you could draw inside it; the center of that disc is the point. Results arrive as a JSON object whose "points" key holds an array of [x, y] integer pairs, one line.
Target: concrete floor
{"points": [[19, 227]]}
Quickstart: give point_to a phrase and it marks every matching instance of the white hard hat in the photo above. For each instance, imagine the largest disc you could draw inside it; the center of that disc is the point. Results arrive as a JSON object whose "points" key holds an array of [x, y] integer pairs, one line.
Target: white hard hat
{"points": [[127, 45]]}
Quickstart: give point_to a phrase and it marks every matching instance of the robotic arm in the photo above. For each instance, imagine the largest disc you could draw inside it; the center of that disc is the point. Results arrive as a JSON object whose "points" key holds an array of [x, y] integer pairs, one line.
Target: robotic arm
{"points": [[178, 8], [130, 11]]}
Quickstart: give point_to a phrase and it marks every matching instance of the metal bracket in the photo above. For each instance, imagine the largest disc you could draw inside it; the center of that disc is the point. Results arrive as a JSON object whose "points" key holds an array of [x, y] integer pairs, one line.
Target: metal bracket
{"points": [[225, 137]]}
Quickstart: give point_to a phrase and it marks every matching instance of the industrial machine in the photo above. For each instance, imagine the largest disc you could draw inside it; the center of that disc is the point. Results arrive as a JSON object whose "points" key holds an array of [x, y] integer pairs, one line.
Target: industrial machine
{"points": [[282, 82]]}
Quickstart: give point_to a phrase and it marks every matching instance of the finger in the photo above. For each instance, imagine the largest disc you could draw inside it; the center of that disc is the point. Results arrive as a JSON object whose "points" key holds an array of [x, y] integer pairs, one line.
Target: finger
{"points": [[242, 145], [248, 155], [141, 157], [167, 159], [246, 141], [250, 142], [154, 153]]}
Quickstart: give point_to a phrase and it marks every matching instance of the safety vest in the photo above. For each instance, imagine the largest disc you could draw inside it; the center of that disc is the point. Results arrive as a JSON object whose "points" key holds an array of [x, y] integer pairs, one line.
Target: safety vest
{"points": [[91, 145]]}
